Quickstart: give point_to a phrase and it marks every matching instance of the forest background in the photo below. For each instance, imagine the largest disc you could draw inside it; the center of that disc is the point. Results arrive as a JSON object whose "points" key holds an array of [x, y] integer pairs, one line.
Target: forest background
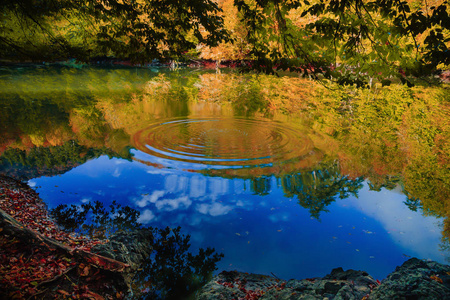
{"points": [[350, 42], [388, 135]]}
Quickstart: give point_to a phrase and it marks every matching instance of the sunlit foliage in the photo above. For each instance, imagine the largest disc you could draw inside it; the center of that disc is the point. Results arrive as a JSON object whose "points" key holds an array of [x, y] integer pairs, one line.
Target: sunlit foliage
{"points": [[350, 42], [139, 30]]}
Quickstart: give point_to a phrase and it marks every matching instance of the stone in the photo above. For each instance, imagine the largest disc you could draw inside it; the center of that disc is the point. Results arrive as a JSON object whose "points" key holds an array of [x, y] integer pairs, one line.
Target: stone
{"points": [[130, 247], [339, 284], [416, 279]]}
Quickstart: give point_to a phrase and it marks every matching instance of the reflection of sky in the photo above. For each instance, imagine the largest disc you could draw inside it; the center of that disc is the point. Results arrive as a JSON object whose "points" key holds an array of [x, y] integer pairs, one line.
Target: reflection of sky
{"points": [[260, 234]]}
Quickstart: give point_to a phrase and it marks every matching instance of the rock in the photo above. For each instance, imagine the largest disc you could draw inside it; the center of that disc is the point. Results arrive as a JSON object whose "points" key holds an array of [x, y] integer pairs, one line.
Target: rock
{"points": [[339, 284], [130, 247], [237, 285], [416, 279]]}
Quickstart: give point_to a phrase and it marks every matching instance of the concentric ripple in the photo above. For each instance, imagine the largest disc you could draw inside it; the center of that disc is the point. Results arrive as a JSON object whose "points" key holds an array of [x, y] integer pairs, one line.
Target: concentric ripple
{"points": [[230, 142]]}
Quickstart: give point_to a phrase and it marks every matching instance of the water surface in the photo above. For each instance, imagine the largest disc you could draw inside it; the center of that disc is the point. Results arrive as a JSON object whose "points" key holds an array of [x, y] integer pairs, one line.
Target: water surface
{"points": [[280, 180]]}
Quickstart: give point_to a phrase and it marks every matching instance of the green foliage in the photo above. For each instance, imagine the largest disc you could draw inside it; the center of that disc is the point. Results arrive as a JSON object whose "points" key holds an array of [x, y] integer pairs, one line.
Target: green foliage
{"points": [[52, 159], [94, 220], [172, 271], [129, 29], [317, 189], [349, 42]]}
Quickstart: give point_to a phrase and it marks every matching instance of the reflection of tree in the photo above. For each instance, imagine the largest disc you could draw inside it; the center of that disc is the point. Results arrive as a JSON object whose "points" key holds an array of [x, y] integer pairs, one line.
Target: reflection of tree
{"points": [[261, 185], [317, 189], [413, 203], [376, 183], [101, 222], [170, 272], [52, 159], [395, 136]]}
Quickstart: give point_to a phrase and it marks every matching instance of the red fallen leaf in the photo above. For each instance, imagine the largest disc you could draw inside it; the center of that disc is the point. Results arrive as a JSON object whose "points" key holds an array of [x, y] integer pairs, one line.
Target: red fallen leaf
{"points": [[378, 282], [63, 292], [437, 279], [92, 295]]}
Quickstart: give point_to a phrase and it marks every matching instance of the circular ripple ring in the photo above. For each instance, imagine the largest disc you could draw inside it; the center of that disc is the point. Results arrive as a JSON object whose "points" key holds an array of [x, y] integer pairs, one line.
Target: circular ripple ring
{"points": [[223, 141]]}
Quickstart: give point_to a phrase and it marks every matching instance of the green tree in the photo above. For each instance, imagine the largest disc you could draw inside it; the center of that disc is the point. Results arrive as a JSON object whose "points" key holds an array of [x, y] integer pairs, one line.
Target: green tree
{"points": [[131, 29], [317, 189], [348, 41]]}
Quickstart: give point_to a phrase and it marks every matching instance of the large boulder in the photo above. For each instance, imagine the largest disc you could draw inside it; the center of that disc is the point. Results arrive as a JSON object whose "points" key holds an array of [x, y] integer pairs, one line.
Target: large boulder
{"points": [[416, 279], [339, 284], [130, 247]]}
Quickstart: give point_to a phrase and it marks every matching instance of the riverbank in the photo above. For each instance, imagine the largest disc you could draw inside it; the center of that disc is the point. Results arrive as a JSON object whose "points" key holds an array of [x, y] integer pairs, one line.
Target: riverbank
{"points": [[39, 261], [415, 279]]}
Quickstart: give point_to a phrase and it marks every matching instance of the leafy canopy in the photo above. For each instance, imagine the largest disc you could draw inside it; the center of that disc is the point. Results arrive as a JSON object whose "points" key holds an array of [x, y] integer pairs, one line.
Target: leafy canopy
{"points": [[348, 40], [130, 29]]}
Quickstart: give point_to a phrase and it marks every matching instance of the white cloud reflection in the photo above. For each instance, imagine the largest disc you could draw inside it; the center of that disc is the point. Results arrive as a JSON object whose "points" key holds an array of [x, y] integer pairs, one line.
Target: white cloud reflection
{"points": [[214, 209], [147, 199], [146, 216], [163, 204], [116, 173], [418, 234], [173, 204]]}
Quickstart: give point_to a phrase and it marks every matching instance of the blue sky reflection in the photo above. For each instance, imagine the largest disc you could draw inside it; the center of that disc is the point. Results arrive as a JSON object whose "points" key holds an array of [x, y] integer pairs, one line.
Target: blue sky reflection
{"points": [[262, 234]]}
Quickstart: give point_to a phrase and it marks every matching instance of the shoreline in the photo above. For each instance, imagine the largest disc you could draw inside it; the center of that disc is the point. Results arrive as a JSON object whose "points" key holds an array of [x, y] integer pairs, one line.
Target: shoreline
{"points": [[40, 261]]}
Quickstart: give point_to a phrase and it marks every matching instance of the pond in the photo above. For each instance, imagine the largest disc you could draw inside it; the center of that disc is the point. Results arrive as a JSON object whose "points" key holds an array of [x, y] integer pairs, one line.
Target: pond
{"points": [[282, 175]]}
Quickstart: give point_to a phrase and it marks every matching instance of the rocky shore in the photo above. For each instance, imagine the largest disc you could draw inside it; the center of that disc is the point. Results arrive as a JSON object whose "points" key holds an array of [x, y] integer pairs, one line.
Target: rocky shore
{"points": [[415, 279]]}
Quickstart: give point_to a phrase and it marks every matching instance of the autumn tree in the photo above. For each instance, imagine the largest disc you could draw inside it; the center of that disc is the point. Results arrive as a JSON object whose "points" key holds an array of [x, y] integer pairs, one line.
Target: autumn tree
{"points": [[348, 41], [132, 29]]}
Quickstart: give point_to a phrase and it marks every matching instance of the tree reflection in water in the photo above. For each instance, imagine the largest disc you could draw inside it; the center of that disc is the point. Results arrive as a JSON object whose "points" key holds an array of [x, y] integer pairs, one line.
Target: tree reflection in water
{"points": [[317, 189], [170, 272]]}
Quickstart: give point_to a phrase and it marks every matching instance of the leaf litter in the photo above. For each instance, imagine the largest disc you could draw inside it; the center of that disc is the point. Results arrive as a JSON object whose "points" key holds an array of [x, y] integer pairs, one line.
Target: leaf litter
{"points": [[34, 270]]}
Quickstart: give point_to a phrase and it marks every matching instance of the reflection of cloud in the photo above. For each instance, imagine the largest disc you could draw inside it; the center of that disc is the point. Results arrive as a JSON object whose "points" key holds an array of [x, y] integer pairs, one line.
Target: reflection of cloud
{"points": [[172, 204], [279, 217], [158, 171], [218, 186], [146, 216], [214, 209], [240, 203], [197, 186], [174, 183], [411, 230], [99, 192], [85, 200], [116, 173], [239, 186], [32, 183], [163, 204], [146, 199]]}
